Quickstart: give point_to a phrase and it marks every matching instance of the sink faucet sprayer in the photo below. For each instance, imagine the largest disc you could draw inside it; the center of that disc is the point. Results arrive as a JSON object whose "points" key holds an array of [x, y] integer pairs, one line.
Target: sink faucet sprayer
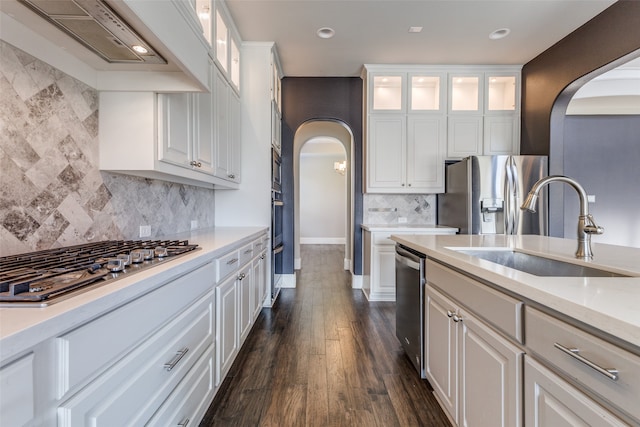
{"points": [[586, 224]]}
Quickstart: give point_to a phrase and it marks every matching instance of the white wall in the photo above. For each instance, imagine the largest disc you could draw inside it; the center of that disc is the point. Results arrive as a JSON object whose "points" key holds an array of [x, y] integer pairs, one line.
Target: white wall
{"points": [[323, 198]]}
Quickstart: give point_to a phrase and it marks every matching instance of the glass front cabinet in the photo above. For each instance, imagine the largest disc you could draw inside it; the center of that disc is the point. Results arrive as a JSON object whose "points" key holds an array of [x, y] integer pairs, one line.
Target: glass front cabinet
{"points": [[418, 116]]}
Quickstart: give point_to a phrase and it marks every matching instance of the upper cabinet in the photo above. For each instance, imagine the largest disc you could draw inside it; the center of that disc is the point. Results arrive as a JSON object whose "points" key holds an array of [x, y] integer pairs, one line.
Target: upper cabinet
{"points": [[405, 122], [405, 92], [227, 46], [416, 116], [484, 111]]}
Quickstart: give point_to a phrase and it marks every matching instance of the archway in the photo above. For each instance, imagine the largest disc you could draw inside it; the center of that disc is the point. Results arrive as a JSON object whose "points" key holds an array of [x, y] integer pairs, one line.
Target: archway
{"points": [[339, 131], [561, 157]]}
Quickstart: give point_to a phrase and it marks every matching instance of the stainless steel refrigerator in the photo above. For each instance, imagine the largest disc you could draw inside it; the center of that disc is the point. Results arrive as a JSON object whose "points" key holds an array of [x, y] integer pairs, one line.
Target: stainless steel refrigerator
{"points": [[484, 194]]}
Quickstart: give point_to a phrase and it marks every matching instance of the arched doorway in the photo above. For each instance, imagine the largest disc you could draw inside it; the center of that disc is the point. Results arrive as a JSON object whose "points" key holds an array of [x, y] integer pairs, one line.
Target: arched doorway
{"points": [[600, 150], [339, 131]]}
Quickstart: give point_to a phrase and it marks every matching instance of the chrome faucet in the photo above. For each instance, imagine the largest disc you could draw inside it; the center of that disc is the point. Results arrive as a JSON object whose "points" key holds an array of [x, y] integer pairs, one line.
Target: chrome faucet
{"points": [[586, 224]]}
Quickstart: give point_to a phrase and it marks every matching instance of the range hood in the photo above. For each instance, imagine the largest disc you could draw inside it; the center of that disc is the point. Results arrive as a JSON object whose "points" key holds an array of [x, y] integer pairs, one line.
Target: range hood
{"points": [[98, 27]]}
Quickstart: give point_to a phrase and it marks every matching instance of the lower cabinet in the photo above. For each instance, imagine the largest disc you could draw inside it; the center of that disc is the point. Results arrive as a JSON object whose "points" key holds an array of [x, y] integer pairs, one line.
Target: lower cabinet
{"points": [[475, 372], [17, 403], [227, 298], [136, 382], [379, 261], [552, 402]]}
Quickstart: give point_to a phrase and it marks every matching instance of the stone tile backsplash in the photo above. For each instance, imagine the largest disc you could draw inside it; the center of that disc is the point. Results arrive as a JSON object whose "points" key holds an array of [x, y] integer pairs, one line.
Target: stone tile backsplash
{"points": [[51, 190], [387, 208]]}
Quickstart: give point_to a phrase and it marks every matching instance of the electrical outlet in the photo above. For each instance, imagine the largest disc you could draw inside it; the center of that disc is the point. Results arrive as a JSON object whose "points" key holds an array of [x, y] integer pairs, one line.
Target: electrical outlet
{"points": [[402, 219], [145, 231], [194, 224], [591, 198]]}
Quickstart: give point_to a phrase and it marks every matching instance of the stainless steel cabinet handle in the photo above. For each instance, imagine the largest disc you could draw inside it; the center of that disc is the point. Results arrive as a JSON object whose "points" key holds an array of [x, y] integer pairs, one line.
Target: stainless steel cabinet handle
{"points": [[184, 422], [232, 176], [612, 374], [232, 261], [457, 318], [196, 164], [248, 251], [241, 276], [263, 256], [173, 362], [450, 313]]}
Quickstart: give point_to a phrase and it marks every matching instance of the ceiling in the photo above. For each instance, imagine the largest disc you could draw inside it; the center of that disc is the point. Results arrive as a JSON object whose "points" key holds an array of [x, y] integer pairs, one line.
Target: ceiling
{"points": [[377, 31]]}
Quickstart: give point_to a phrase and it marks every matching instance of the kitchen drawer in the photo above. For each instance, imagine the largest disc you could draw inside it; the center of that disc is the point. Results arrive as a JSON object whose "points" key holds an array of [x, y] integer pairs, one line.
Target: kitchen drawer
{"points": [[544, 333], [190, 400], [85, 351], [17, 405], [260, 244], [227, 264], [246, 254], [500, 310], [132, 390]]}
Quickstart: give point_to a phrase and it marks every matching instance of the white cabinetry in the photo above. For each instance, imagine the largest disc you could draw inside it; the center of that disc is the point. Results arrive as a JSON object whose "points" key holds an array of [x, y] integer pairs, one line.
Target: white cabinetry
{"points": [[227, 130], [379, 260], [552, 402], [605, 375], [484, 111], [17, 402], [405, 130], [120, 368], [475, 371], [239, 296]]}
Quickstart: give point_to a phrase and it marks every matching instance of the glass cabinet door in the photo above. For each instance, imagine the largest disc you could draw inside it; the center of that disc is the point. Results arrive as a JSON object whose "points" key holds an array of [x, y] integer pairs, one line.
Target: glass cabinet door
{"points": [[465, 93], [387, 93], [203, 9], [222, 41], [235, 64], [425, 93], [501, 93]]}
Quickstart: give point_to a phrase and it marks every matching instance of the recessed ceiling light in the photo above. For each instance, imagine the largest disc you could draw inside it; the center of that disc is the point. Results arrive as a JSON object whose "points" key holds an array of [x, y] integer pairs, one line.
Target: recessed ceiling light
{"points": [[325, 33], [139, 49], [499, 34], [415, 29]]}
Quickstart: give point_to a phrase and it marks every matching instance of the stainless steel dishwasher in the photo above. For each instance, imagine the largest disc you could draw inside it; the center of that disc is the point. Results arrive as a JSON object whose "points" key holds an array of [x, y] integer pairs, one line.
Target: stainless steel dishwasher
{"points": [[410, 283]]}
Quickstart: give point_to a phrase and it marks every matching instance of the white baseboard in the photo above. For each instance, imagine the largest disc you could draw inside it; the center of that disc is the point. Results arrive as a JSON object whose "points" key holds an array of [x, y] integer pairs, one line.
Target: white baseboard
{"points": [[356, 281], [347, 264], [289, 280], [322, 241], [297, 264]]}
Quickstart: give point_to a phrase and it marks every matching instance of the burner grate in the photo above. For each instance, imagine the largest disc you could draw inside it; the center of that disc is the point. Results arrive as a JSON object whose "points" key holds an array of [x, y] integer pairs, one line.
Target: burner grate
{"points": [[38, 277]]}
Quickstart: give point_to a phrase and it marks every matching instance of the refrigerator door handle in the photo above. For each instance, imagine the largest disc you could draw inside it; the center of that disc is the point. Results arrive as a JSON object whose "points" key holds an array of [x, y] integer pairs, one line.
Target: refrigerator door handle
{"points": [[515, 196], [508, 198]]}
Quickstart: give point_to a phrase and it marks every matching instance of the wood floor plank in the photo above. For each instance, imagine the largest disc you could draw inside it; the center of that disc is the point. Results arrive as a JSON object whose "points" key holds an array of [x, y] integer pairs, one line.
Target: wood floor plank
{"points": [[324, 356]]}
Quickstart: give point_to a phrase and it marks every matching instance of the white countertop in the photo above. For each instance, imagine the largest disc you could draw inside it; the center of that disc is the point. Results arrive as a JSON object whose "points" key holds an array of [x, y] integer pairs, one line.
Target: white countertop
{"points": [[609, 304], [22, 328], [408, 227]]}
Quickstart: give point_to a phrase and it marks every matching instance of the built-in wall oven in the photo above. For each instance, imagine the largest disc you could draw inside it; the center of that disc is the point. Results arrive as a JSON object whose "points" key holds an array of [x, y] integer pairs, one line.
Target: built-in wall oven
{"points": [[277, 207]]}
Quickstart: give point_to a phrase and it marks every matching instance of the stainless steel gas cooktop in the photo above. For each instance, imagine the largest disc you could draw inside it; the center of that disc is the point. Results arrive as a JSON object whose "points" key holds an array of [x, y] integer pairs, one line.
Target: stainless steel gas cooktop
{"points": [[37, 279]]}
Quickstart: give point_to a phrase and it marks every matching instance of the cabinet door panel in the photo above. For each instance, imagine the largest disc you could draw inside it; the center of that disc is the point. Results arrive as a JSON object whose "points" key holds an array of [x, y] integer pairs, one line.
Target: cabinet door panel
{"points": [[440, 350], [235, 146], [490, 377], [385, 168], [464, 137], [175, 129], [425, 153], [226, 326], [245, 285], [204, 141], [552, 402], [222, 126], [500, 135]]}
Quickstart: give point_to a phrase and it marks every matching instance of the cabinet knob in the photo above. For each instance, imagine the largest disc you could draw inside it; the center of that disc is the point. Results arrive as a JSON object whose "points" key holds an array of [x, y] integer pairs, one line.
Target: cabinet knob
{"points": [[232, 176], [403, 184], [195, 164], [450, 313], [409, 185], [457, 318]]}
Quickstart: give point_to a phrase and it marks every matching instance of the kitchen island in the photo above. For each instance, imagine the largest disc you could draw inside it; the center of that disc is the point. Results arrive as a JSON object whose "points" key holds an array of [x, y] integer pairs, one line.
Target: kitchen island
{"points": [[157, 343], [571, 343]]}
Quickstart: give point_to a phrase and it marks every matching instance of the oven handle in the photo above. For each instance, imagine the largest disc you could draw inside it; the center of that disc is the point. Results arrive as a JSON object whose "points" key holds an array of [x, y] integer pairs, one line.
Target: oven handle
{"points": [[278, 249]]}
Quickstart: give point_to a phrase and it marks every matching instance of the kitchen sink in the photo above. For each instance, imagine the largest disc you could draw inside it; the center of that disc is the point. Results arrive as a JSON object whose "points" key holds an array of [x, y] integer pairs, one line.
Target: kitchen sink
{"points": [[536, 265]]}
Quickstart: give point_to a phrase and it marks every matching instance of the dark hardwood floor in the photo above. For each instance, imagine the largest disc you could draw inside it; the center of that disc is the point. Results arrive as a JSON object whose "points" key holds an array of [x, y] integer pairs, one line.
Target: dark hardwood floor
{"points": [[324, 356]]}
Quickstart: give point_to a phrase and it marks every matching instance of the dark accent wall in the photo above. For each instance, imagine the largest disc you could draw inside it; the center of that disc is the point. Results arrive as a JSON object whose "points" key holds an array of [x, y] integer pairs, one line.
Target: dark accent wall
{"points": [[609, 36], [314, 98]]}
